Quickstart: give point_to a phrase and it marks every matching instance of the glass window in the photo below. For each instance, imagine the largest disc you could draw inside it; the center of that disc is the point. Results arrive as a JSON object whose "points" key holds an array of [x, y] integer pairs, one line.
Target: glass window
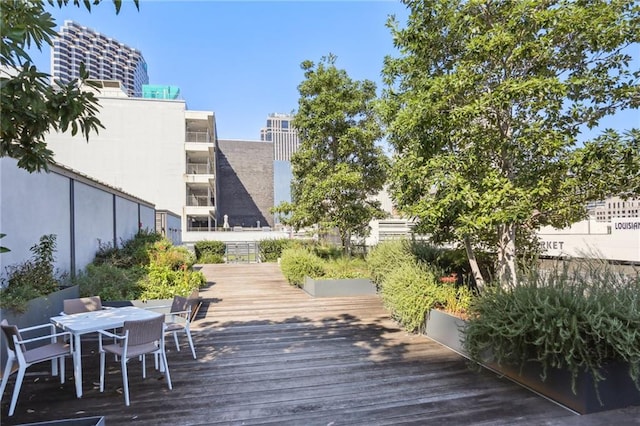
{"points": [[285, 124]]}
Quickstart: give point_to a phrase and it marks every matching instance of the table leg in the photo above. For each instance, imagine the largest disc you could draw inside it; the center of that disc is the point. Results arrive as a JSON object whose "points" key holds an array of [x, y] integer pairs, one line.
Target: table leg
{"points": [[77, 365]]}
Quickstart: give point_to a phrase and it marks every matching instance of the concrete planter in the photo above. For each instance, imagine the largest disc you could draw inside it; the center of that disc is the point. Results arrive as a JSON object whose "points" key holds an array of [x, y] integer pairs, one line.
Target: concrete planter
{"points": [[617, 391], [446, 329], [39, 311], [339, 287], [83, 421], [145, 304]]}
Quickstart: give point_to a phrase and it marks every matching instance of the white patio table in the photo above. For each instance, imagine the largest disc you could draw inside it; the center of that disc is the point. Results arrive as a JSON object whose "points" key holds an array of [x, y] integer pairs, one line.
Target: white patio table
{"points": [[90, 322]]}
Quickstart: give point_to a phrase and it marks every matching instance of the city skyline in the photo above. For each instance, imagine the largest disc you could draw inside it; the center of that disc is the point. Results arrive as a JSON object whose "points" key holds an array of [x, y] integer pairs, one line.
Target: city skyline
{"points": [[105, 58], [241, 60]]}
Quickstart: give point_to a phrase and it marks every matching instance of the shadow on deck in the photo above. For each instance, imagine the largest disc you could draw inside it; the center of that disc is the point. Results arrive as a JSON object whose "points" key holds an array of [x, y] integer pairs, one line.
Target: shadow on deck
{"points": [[270, 353]]}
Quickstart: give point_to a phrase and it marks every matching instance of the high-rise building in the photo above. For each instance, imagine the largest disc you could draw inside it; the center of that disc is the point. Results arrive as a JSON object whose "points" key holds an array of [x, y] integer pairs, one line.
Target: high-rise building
{"points": [[284, 137], [103, 57]]}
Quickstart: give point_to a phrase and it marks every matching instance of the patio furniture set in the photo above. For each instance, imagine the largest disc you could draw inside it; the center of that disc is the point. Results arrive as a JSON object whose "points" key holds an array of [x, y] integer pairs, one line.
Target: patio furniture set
{"points": [[135, 331]]}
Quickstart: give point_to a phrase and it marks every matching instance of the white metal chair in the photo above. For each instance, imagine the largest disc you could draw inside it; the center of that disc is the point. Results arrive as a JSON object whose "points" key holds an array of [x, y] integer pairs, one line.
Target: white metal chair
{"points": [[138, 338], [179, 319], [27, 352]]}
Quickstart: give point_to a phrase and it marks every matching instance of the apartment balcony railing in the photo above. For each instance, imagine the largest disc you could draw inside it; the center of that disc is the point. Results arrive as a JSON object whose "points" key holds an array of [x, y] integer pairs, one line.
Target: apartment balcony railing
{"points": [[199, 201], [196, 228], [199, 169], [200, 137]]}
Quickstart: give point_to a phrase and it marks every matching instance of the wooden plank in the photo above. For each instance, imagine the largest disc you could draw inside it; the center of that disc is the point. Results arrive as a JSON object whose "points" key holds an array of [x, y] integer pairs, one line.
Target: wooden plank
{"points": [[268, 353]]}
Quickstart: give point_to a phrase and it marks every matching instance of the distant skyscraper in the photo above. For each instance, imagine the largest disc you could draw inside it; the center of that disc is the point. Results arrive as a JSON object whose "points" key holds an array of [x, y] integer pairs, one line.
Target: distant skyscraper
{"points": [[104, 58], [284, 137]]}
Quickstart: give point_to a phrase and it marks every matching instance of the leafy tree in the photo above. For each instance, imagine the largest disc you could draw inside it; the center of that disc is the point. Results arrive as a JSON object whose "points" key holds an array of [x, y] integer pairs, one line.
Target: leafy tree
{"points": [[31, 107], [338, 165], [484, 107]]}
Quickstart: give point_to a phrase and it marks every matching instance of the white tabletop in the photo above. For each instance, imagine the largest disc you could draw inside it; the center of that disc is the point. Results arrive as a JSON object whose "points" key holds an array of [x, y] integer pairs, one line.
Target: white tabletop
{"points": [[87, 322]]}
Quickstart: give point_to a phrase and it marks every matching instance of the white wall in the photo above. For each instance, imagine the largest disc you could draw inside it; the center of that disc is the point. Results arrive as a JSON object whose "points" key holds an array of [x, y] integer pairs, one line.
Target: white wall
{"points": [[92, 206], [36, 204], [33, 205], [126, 210], [140, 150], [592, 239], [147, 218]]}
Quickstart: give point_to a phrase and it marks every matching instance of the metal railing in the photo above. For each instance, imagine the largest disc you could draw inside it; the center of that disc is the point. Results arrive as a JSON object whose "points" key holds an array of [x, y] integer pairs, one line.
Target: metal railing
{"points": [[199, 200], [199, 137], [198, 169]]}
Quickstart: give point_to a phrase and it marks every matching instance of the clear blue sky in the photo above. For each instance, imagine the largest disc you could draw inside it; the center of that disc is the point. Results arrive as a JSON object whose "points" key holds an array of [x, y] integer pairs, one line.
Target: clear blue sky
{"points": [[241, 59]]}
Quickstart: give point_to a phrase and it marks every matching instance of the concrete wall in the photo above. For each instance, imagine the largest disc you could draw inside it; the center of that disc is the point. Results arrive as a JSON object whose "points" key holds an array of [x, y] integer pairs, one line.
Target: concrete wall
{"points": [[617, 240], [141, 150], [80, 211], [169, 225], [245, 174]]}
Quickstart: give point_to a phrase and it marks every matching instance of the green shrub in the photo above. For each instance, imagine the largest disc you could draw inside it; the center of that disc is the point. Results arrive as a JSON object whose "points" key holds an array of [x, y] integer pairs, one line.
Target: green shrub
{"points": [[163, 253], [30, 279], [271, 250], [387, 256], [110, 282], [297, 263], [448, 261], [162, 282], [346, 267], [203, 248], [410, 290], [133, 252], [211, 258], [576, 320], [326, 251]]}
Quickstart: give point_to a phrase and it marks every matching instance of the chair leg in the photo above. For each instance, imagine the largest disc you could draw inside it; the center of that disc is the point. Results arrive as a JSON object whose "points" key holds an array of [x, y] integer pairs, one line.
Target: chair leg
{"points": [[125, 381], [193, 350], [144, 366], [7, 373], [163, 360], [16, 389], [62, 361], [175, 337], [102, 356]]}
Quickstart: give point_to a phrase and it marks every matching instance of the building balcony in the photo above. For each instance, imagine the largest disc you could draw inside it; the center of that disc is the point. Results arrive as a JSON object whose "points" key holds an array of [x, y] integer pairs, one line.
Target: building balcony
{"points": [[199, 169], [198, 137], [200, 201]]}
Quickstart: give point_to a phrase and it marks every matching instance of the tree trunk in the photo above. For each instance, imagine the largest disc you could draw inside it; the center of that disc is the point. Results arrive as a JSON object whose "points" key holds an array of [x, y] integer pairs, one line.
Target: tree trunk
{"points": [[345, 236], [507, 255], [475, 269]]}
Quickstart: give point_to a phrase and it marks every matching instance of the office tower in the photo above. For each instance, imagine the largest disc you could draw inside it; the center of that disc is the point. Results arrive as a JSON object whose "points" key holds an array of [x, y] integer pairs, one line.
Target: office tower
{"points": [[103, 57], [284, 137]]}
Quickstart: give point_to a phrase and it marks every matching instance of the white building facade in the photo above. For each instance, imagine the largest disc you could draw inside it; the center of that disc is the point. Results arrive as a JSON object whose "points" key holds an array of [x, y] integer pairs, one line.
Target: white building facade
{"points": [[153, 148]]}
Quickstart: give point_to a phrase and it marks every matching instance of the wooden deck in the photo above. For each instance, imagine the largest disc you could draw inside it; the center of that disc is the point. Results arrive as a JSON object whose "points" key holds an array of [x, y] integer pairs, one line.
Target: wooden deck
{"points": [[270, 354]]}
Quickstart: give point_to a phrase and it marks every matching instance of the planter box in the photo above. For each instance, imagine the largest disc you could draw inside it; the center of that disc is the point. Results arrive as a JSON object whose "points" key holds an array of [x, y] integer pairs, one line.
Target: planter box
{"points": [[39, 311], [83, 421], [616, 391], [339, 288], [446, 329]]}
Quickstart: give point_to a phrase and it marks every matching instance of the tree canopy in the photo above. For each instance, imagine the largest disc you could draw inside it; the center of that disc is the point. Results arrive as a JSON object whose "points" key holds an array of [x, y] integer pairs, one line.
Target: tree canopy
{"points": [[338, 166], [30, 105], [485, 106]]}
